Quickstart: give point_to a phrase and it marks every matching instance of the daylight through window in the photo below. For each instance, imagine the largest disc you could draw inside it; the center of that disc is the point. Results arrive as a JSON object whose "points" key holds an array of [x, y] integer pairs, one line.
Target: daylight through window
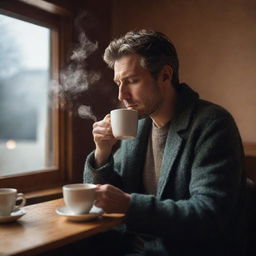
{"points": [[25, 129]]}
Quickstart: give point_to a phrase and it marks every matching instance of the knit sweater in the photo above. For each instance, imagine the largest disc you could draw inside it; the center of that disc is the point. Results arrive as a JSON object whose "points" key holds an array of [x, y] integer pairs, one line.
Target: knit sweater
{"points": [[153, 161]]}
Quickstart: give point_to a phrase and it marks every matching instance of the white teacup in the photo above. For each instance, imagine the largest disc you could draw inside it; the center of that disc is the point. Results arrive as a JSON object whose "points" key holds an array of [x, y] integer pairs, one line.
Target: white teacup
{"points": [[8, 198], [79, 198], [124, 123]]}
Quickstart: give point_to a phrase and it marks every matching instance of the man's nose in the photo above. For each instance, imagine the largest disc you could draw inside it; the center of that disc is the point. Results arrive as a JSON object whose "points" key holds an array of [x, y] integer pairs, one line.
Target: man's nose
{"points": [[123, 92]]}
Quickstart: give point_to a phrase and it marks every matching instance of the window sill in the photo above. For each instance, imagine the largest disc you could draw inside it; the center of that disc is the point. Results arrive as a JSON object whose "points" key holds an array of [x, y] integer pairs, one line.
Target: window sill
{"points": [[43, 195]]}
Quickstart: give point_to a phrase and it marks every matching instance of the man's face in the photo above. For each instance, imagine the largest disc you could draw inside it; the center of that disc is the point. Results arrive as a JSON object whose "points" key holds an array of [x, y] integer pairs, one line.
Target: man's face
{"points": [[137, 88]]}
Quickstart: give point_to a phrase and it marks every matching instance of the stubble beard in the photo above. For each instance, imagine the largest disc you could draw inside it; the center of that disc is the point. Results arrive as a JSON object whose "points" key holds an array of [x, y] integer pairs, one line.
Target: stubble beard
{"points": [[153, 109]]}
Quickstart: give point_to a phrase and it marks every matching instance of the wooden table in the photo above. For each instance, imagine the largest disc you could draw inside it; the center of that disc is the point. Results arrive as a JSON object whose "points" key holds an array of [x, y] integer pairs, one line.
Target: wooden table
{"points": [[41, 230]]}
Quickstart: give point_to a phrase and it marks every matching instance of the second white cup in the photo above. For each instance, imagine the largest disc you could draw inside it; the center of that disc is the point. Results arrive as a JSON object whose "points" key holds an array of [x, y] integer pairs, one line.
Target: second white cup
{"points": [[8, 199], [124, 123], [79, 198]]}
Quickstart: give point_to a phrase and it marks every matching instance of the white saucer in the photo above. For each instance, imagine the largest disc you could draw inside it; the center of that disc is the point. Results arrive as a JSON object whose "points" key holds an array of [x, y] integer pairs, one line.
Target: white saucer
{"points": [[13, 217], [94, 213]]}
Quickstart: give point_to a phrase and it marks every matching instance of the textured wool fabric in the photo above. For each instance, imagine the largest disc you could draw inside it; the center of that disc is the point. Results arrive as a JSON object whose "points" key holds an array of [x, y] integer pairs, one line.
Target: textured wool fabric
{"points": [[198, 207], [154, 156]]}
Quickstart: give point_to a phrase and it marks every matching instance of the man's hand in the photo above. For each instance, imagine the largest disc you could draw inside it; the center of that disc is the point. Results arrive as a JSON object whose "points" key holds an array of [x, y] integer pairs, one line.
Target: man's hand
{"points": [[104, 140], [111, 199]]}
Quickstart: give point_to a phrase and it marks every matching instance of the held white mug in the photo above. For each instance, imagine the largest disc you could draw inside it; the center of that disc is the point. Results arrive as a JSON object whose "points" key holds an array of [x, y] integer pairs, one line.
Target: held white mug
{"points": [[79, 198], [8, 198], [124, 123]]}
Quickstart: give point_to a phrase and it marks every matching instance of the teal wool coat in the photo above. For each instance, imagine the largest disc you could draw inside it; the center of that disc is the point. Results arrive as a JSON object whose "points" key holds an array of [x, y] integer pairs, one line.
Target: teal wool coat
{"points": [[198, 206]]}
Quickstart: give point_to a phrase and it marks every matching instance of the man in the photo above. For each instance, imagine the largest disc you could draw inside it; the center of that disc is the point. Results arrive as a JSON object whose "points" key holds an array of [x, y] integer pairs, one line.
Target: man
{"points": [[180, 181]]}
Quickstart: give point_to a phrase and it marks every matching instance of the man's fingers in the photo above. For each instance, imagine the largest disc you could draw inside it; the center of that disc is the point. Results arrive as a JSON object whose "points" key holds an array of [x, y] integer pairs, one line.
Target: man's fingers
{"points": [[108, 191], [102, 130], [107, 117], [112, 199], [101, 123], [103, 127], [106, 206]]}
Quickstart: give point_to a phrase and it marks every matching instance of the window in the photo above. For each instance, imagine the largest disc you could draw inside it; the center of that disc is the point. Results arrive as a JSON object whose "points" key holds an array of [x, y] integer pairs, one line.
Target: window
{"points": [[25, 129], [31, 129]]}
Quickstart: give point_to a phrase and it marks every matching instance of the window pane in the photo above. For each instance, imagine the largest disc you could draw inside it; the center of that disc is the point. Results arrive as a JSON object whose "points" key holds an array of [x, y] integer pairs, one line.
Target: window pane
{"points": [[24, 80]]}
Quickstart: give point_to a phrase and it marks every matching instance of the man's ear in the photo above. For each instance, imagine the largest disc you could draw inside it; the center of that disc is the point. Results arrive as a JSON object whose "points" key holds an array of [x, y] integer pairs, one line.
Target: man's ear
{"points": [[166, 73], [165, 77]]}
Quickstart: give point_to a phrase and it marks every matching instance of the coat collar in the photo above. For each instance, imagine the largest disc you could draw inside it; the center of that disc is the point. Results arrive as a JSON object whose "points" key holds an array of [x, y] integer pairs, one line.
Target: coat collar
{"points": [[184, 109], [186, 100]]}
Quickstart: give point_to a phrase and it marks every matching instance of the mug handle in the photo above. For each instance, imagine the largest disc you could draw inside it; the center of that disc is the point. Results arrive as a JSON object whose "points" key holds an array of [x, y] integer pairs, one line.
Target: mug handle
{"points": [[20, 196]]}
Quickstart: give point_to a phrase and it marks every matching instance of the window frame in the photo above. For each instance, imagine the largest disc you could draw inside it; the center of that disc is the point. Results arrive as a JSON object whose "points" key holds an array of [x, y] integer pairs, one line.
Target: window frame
{"points": [[59, 21]]}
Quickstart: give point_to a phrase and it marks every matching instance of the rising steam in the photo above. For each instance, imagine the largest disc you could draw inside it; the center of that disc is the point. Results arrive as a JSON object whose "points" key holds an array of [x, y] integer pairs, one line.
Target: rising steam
{"points": [[76, 78], [86, 112]]}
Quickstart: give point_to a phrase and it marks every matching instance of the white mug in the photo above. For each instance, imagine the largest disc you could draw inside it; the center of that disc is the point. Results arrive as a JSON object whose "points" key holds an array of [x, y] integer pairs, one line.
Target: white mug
{"points": [[8, 198], [124, 123], [79, 198]]}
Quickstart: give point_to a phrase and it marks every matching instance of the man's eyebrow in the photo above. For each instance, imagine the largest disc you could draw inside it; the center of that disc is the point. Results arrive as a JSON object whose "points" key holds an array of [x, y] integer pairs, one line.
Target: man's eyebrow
{"points": [[125, 78]]}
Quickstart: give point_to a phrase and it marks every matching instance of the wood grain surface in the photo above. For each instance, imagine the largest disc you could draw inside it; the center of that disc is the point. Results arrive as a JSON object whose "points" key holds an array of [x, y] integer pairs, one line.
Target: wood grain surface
{"points": [[41, 229]]}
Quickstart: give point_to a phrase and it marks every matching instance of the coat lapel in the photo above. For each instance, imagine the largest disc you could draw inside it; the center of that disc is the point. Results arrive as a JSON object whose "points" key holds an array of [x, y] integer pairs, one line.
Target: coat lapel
{"points": [[184, 108], [174, 142], [134, 157]]}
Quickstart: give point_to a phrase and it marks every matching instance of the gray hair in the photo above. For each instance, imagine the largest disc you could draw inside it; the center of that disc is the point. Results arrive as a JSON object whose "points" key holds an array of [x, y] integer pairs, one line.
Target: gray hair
{"points": [[155, 49]]}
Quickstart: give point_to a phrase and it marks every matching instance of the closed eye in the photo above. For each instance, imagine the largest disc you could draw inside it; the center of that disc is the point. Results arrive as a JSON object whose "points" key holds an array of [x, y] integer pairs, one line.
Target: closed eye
{"points": [[133, 80], [127, 80]]}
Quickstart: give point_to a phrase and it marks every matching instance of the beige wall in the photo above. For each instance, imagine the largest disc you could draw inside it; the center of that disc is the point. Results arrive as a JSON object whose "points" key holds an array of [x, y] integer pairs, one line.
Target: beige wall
{"points": [[216, 44]]}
